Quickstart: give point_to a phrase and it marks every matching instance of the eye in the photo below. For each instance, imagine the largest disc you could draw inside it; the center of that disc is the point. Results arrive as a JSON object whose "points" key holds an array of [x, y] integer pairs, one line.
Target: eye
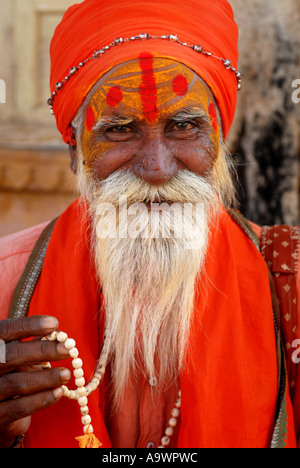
{"points": [[120, 129], [183, 126], [119, 133]]}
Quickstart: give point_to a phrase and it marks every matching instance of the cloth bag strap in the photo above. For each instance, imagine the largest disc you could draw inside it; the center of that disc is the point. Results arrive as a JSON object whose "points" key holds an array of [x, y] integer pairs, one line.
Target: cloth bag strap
{"points": [[27, 283]]}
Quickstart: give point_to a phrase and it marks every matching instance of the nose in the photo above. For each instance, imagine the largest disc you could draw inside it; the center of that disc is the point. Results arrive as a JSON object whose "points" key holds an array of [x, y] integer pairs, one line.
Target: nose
{"points": [[155, 163]]}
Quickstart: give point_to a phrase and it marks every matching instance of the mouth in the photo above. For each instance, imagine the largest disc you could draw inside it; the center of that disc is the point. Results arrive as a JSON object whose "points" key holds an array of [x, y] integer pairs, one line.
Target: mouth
{"points": [[159, 201], [157, 204]]}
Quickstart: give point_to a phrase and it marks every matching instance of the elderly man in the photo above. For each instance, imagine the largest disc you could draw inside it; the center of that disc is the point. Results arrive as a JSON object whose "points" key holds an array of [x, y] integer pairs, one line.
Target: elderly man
{"points": [[175, 330]]}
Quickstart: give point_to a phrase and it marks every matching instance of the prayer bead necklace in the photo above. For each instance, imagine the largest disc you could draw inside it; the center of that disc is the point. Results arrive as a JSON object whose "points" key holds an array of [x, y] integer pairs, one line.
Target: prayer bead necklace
{"points": [[89, 440]]}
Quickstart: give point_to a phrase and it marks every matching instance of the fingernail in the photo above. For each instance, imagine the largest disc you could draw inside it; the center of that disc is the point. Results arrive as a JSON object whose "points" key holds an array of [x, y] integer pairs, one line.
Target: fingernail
{"points": [[58, 393], [65, 375], [62, 349], [49, 323]]}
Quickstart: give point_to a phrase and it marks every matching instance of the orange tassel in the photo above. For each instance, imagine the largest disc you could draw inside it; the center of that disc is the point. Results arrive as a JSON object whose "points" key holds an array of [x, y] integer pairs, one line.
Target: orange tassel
{"points": [[88, 441]]}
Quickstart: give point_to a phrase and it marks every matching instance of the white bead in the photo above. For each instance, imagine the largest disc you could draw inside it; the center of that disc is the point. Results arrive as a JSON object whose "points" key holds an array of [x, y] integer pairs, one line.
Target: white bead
{"points": [[92, 386], [80, 382], [165, 440], [169, 431], [86, 419], [74, 353], [89, 389], [70, 344], [62, 337], [78, 373], [88, 429], [178, 403], [173, 422], [77, 363], [84, 410], [66, 391], [81, 391], [99, 374], [46, 365], [73, 395], [175, 412], [52, 336], [82, 401]]}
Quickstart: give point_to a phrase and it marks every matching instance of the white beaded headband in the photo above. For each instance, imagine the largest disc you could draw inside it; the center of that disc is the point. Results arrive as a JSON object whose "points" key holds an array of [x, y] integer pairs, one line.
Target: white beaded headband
{"points": [[142, 36]]}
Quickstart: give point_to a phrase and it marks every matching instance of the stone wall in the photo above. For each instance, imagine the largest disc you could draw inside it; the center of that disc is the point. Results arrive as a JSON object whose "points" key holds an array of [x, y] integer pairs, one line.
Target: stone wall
{"points": [[35, 181], [266, 134]]}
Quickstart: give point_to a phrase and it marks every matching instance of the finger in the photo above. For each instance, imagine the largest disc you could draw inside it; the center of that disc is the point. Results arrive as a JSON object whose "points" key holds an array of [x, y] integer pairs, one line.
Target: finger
{"points": [[20, 408], [16, 429], [26, 327], [33, 352], [28, 383]]}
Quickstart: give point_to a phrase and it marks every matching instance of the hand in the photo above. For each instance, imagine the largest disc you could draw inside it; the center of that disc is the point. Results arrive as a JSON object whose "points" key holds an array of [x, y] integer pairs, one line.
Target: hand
{"points": [[24, 387]]}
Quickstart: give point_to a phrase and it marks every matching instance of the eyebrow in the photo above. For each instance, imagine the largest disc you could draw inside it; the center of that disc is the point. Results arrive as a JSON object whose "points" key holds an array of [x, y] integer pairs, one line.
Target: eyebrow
{"points": [[190, 113], [108, 121], [182, 115]]}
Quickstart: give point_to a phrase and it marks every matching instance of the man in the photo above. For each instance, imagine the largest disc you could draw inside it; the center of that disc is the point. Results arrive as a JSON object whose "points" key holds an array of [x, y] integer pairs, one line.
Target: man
{"points": [[144, 94]]}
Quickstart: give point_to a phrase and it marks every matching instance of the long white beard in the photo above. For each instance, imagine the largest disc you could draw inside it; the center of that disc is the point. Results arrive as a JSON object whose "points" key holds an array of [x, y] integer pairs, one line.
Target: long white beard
{"points": [[148, 280]]}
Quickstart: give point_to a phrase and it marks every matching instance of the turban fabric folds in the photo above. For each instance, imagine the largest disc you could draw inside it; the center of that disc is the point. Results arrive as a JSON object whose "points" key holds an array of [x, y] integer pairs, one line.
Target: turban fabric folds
{"points": [[93, 24]]}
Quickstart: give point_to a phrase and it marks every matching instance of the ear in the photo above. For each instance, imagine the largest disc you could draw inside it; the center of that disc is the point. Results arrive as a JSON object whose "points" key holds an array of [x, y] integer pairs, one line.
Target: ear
{"points": [[74, 158]]}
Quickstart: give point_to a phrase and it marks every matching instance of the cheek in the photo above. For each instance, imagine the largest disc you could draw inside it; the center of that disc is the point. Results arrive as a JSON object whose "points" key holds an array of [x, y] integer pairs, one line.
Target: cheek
{"points": [[94, 150], [90, 146]]}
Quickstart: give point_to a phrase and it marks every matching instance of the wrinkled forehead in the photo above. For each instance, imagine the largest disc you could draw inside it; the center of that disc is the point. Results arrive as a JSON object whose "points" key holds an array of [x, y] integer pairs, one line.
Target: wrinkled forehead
{"points": [[148, 86]]}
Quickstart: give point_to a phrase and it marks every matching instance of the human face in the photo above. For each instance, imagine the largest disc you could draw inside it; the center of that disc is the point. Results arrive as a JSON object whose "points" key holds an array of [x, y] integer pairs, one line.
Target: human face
{"points": [[151, 116]]}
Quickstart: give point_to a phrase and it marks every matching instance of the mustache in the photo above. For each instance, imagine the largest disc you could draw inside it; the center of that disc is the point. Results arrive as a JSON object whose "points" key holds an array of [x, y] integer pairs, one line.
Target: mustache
{"points": [[184, 187]]}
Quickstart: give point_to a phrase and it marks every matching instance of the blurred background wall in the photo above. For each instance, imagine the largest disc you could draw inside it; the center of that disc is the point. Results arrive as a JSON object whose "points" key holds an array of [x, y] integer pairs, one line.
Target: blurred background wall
{"points": [[36, 183]]}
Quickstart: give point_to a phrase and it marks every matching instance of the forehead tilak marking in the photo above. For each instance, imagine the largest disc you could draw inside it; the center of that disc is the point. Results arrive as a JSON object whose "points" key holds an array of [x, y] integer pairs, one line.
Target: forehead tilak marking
{"points": [[150, 82]]}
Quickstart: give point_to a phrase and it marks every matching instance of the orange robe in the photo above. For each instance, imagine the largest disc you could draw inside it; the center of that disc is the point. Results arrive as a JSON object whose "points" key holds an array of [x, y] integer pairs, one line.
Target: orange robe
{"points": [[229, 388]]}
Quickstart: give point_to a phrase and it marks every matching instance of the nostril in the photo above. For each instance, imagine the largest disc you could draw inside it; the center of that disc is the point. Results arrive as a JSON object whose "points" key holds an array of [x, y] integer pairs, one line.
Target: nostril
{"points": [[155, 175]]}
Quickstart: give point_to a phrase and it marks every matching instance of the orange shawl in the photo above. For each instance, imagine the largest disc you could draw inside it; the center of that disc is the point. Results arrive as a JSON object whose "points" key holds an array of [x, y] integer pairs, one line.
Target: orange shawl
{"points": [[229, 389]]}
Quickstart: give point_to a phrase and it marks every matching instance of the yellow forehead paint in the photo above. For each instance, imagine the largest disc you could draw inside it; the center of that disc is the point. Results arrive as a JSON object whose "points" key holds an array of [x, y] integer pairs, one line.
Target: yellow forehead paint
{"points": [[150, 89]]}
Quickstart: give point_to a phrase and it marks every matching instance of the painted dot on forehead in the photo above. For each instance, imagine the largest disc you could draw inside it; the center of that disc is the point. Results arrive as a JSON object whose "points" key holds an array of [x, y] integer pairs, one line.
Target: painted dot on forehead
{"points": [[180, 85], [114, 96], [90, 119], [213, 116]]}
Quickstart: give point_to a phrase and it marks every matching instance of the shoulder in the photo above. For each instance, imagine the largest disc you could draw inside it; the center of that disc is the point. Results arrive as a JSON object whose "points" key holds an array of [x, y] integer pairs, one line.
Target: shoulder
{"points": [[15, 250], [19, 242]]}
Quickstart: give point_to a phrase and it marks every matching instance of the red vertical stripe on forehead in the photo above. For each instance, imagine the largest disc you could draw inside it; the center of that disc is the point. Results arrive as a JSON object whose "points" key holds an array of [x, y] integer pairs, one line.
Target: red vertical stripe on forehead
{"points": [[90, 119], [148, 90]]}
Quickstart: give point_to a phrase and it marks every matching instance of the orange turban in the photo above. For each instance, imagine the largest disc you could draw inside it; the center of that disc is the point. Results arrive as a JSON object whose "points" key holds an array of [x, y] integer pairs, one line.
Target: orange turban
{"points": [[94, 24]]}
